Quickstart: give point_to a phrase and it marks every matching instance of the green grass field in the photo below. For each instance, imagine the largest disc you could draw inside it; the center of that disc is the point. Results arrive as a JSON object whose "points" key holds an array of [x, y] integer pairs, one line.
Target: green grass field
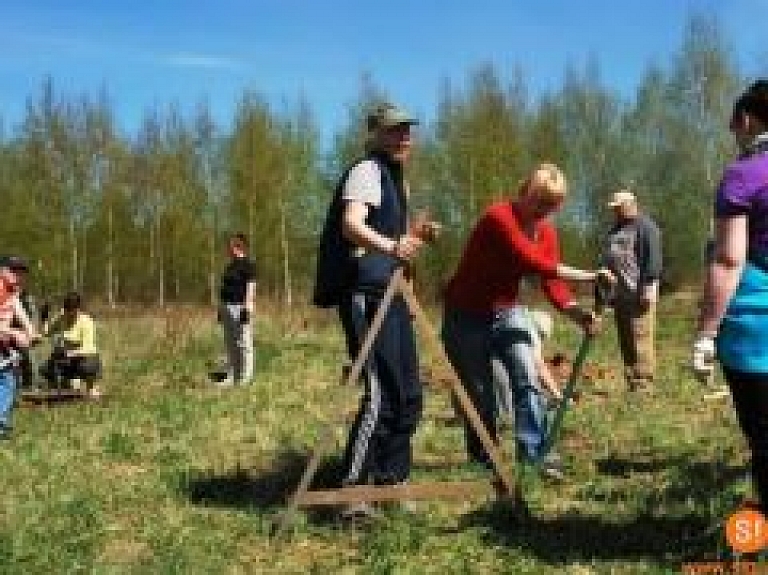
{"points": [[170, 475]]}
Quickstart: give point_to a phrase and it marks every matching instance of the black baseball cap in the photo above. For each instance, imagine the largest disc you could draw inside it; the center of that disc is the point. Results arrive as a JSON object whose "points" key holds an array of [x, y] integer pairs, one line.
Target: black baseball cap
{"points": [[14, 263]]}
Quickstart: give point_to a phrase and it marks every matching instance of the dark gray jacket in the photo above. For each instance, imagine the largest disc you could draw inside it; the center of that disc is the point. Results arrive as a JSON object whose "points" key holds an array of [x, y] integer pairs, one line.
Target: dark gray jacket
{"points": [[632, 251]]}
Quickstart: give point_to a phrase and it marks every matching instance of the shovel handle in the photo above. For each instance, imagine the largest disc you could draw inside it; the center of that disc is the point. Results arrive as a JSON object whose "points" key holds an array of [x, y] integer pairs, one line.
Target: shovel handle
{"points": [[557, 422]]}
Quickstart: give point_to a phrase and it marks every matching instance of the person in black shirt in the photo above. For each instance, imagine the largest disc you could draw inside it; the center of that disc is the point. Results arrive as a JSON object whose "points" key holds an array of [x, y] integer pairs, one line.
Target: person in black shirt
{"points": [[236, 311]]}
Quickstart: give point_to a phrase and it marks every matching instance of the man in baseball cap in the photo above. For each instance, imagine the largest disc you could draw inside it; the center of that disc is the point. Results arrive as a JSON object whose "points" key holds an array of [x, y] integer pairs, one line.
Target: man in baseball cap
{"points": [[632, 251], [623, 197], [366, 238]]}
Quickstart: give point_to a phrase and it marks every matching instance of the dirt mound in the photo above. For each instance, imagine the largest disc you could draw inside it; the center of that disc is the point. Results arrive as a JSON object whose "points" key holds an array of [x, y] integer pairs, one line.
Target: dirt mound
{"points": [[561, 368], [558, 363]]}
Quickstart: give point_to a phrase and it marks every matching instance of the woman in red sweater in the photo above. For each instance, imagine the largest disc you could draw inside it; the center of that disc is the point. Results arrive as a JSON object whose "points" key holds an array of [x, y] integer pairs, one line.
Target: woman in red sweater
{"points": [[483, 316]]}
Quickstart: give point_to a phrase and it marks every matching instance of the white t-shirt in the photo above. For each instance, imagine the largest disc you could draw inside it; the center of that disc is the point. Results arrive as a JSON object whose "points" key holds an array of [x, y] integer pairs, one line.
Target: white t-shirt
{"points": [[363, 184]]}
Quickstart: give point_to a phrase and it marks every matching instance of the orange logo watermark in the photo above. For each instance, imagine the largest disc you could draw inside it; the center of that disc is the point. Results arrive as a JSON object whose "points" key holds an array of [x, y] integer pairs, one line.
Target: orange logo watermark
{"points": [[745, 531]]}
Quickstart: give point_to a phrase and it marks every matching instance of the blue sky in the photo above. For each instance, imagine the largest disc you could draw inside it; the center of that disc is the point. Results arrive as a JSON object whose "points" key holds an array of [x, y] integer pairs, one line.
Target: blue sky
{"points": [[153, 53]]}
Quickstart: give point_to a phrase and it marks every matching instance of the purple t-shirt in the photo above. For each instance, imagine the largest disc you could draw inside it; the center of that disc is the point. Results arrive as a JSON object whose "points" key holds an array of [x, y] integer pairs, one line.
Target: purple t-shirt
{"points": [[744, 191]]}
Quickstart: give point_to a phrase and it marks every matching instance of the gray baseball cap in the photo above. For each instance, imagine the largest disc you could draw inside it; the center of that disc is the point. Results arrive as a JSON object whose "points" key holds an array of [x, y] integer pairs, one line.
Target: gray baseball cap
{"points": [[388, 115]]}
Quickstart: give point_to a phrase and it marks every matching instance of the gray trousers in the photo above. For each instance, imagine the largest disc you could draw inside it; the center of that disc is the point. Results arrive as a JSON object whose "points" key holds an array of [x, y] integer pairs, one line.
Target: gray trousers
{"points": [[239, 342]]}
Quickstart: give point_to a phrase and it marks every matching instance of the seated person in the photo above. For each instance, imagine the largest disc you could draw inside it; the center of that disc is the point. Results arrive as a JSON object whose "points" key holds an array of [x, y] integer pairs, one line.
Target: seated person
{"points": [[74, 358]]}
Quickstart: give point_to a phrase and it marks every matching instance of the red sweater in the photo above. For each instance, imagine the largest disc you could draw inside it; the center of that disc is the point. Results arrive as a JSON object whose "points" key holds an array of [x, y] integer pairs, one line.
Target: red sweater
{"points": [[497, 256]]}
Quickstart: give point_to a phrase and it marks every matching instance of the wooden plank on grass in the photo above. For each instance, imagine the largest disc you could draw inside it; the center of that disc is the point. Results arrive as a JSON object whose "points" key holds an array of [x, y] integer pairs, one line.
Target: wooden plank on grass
{"points": [[409, 491], [52, 396]]}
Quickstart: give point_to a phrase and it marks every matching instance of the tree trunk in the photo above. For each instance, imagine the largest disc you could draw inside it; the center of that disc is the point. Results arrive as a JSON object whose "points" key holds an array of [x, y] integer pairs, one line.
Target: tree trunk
{"points": [[83, 261], [110, 261], [73, 247], [287, 292], [161, 285], [472, 199], [212, 267], [251, 223]]}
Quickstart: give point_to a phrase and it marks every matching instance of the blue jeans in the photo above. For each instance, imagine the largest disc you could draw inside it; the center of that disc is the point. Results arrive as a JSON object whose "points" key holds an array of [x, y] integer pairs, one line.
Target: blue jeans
{"points": [[472, 343], [7, 393]]}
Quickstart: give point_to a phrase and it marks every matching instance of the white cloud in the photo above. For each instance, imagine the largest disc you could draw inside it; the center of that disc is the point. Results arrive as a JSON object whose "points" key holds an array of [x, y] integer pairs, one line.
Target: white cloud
{"points": [[52, 45], [204, 62]]}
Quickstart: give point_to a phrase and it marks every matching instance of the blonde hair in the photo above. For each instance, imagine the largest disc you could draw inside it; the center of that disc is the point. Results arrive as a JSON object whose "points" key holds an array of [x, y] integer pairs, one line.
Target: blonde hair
{"points": [[545, 181]]}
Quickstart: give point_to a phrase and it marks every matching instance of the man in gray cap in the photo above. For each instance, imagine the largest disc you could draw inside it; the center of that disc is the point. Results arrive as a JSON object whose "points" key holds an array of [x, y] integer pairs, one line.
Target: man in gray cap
{"points": [[366, 237], [632, 251]]}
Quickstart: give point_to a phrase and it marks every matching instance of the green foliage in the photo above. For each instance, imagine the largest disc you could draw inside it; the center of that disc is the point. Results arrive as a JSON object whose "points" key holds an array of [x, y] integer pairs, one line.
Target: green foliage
{"points": [[144, 217], [165, 476]]}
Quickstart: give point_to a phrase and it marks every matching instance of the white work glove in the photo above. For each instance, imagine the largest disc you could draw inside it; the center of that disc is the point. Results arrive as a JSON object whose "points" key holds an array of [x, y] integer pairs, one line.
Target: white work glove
{"points": [[703, 357]]}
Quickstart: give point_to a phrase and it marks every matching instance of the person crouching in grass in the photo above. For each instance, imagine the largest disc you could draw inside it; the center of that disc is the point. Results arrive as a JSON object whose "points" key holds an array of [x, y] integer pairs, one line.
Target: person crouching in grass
{"points": [[74, 358]]}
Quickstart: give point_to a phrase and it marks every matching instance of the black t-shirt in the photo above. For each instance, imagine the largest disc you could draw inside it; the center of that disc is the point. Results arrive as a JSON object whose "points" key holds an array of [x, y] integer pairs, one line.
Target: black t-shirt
{"points": [[235, 279]]}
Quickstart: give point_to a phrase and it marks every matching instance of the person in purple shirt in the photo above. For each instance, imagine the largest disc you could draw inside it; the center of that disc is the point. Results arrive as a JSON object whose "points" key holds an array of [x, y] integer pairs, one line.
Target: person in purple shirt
{"points": [[733, 322]]}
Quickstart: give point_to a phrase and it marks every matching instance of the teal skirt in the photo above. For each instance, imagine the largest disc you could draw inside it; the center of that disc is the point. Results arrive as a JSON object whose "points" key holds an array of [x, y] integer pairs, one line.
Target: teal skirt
{"points": [[742, 341]]}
